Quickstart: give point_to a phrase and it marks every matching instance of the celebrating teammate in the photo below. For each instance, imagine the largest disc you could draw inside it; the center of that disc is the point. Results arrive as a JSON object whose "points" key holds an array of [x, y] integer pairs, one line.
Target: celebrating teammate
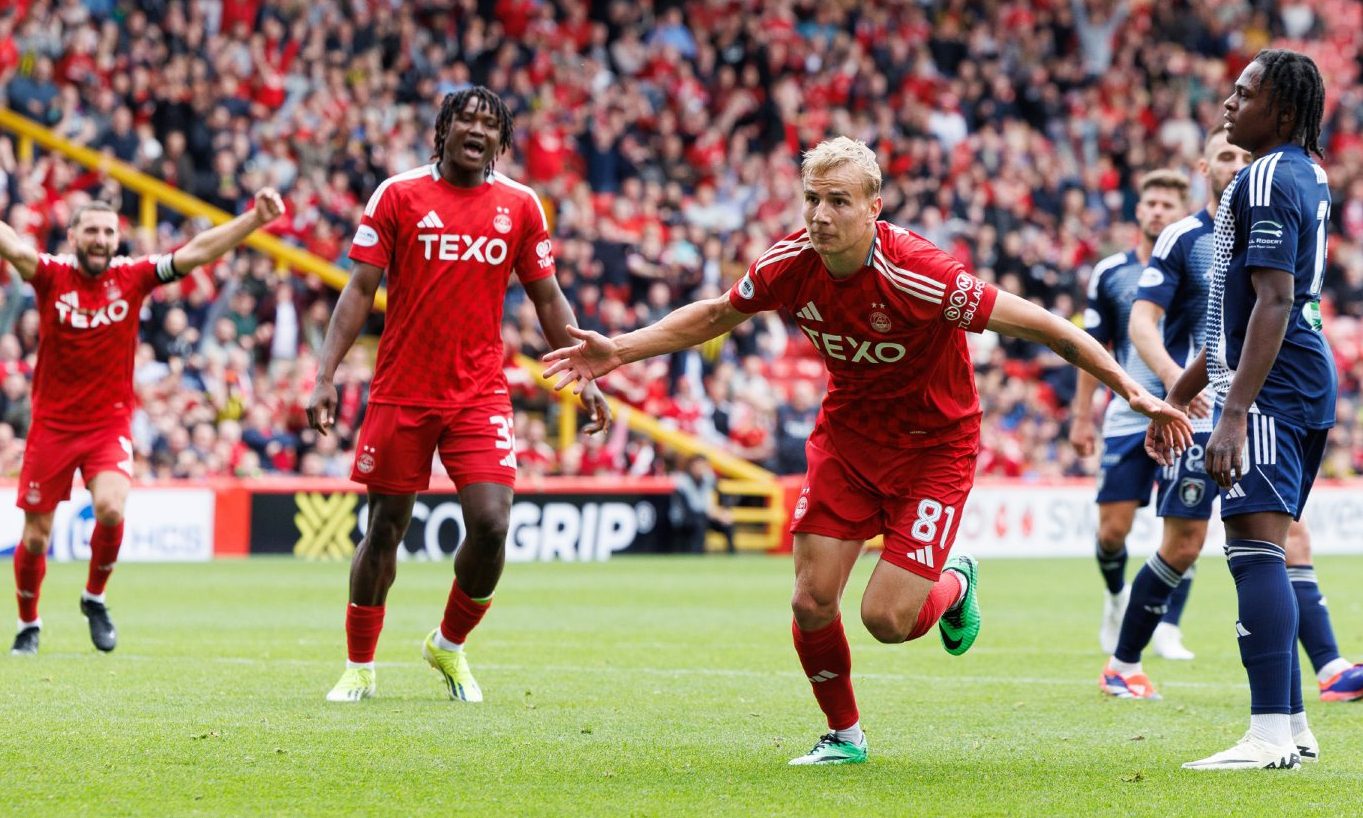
{"points": [[1166, 326], [1274, 377], [449, 234], [1128, 474], [83, 388], [894, 448]]}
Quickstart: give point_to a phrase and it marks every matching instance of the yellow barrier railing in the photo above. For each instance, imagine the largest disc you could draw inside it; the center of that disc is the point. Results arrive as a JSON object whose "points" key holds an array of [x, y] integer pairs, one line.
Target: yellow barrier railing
{"points": [[155, 193], [742, 479], [724, 463]]}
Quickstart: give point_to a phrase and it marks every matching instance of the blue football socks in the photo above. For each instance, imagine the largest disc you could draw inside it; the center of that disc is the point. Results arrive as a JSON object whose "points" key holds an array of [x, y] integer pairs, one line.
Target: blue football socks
{"points": [[1151, 592]]}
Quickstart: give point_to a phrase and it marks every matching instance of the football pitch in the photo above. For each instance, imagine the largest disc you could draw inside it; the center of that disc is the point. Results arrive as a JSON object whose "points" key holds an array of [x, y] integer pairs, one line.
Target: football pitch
{"points": [[641, 686]]}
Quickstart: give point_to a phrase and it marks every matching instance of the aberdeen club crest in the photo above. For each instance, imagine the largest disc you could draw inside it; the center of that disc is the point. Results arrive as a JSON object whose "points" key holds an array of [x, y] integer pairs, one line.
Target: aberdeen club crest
{"points": [[880, 322]]}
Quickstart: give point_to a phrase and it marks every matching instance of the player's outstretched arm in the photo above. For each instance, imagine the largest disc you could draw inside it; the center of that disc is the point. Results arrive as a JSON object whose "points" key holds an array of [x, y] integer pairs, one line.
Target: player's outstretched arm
{"points": [[1263, 340], [595, 355], [22, 255], [556, 316], [1146, 335], [1022, 319], [211, 244], [352, 309]]}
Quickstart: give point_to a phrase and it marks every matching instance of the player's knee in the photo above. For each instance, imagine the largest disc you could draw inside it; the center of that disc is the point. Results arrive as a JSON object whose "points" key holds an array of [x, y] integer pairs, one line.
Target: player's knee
{"points": [[383, 535], [1111, 538], [885, 626], [109, 512], [1183, 553], [487, 531], [35, 542], [1181, 548], [813, 611]]}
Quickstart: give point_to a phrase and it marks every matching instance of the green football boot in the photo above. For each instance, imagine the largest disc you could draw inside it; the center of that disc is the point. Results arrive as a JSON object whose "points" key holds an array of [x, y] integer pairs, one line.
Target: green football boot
{"points": [[960, 625], [831, 750]]}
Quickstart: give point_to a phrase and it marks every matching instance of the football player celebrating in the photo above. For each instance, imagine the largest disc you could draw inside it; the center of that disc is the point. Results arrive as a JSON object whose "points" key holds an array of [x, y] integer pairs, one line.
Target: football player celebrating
{"points": [[894, 448], [88, 304]]}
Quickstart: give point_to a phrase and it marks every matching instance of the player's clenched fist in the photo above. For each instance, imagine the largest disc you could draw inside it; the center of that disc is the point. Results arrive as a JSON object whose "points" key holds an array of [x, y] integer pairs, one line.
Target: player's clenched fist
{"points": [[269, 205]]}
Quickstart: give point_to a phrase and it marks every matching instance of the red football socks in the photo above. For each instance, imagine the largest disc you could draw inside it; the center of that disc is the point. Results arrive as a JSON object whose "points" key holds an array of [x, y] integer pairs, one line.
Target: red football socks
{"points": [[942, 596], [104, 545], [363, 623], [29, 570], [462, 614], [827, 661]]}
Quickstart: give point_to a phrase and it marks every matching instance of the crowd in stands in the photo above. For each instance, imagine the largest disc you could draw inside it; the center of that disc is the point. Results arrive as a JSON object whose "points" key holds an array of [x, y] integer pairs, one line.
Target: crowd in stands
{"points": [[665, 139]]}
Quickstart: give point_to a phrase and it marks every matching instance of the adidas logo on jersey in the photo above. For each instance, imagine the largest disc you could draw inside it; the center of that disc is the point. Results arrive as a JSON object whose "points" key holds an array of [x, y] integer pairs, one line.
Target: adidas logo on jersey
{"points": [[430, 220], [923, 556], [810, 312], [69, 312], [458, 247]]}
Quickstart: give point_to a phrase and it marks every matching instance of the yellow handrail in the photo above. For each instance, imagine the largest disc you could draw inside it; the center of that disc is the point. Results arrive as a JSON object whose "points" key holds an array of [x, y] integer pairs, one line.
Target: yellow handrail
{"points": [[153, 191], [724, 463]]}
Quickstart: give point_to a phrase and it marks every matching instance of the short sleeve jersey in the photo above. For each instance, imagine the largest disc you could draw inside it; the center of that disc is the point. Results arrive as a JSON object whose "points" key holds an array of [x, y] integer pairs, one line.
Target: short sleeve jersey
{"points": [[87, 338], [1112, 289], [1176, 279], [449, 253], [890, 334], [1273, 215]]}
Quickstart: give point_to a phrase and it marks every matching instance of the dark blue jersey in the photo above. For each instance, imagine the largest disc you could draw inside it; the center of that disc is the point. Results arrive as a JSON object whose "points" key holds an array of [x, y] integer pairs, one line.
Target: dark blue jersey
{"points": [[1177, 279], [1112, 290], [1274, 215]]}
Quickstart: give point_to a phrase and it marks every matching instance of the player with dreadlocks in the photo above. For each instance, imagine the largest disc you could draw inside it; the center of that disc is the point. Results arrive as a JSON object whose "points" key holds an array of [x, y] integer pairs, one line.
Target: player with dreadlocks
{"points": [[449, 234], [483, 101], [1273, 375]]}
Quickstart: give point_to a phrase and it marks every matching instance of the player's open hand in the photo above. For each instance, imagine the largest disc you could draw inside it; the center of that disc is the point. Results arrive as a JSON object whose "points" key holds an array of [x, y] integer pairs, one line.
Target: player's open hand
{"points": [[322, 406], [599, 409], [1170, 432], [1161, 446], [269, 205], [1225, 450], [1081, 435], [582, 363]]}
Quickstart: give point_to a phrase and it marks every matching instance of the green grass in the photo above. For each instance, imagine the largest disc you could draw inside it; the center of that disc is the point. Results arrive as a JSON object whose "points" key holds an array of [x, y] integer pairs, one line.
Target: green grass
{"points": [[645, 686]]}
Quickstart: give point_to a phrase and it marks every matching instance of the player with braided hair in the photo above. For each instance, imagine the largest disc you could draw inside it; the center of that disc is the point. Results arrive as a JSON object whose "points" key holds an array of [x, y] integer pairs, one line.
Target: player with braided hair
{"points": [[449, 234], [1274, 378], [484, 101], [1295, 89]]}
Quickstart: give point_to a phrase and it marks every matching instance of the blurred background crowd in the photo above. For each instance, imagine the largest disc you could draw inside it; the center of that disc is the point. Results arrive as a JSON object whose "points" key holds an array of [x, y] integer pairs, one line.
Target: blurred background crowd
{"points": [[664, 138]]}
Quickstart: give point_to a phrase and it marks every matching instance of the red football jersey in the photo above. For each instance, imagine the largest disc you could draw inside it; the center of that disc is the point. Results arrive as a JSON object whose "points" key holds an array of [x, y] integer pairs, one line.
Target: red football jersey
{"points": [[449, 252], [890, 334], [87, 338]]}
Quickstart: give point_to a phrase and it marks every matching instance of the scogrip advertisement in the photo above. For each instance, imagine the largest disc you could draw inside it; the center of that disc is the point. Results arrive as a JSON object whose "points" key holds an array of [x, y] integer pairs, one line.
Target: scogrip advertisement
{"points": [[543, 528]]}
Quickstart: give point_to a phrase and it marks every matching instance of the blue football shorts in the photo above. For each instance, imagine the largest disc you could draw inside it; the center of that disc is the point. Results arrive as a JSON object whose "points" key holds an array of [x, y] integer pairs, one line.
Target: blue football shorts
{"points": [[1279, 465]]}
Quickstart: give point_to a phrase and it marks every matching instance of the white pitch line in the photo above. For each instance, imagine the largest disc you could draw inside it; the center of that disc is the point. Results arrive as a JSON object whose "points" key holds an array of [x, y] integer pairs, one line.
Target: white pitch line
{"points": [[672, 672]]}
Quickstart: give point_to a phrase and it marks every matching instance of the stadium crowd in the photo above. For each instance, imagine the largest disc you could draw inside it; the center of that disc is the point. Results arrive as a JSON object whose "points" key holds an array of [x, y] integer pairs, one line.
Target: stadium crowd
{"points": [[664, 139]]}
